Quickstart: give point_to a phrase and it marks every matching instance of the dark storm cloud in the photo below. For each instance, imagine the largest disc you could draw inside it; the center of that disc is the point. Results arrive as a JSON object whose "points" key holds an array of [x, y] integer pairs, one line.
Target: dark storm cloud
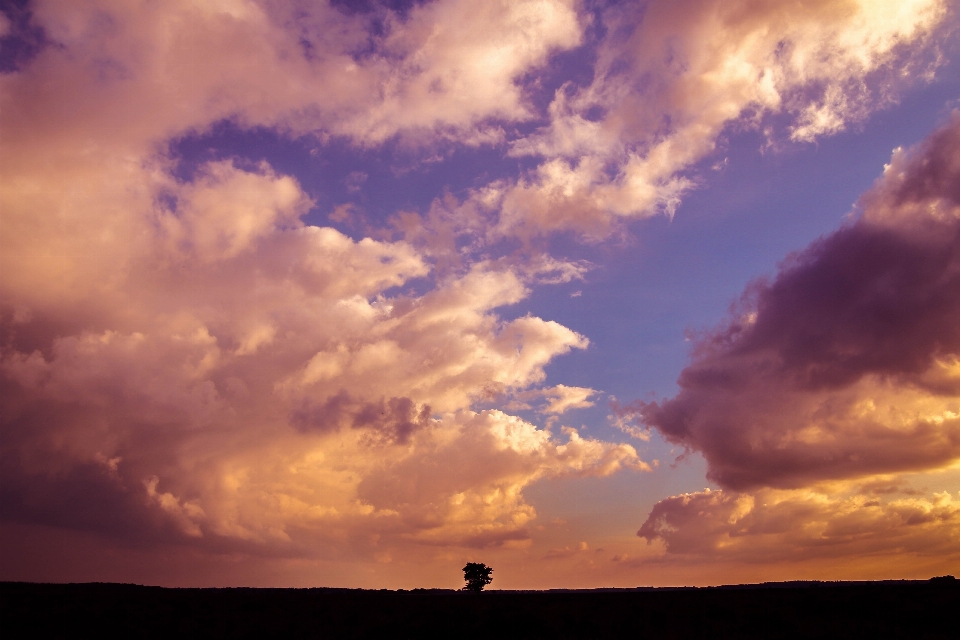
{"points": [[847, 363]]}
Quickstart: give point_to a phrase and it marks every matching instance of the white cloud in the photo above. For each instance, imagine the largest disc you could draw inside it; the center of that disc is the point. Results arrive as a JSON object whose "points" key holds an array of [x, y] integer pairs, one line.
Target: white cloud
{"points": [[670, 78]]}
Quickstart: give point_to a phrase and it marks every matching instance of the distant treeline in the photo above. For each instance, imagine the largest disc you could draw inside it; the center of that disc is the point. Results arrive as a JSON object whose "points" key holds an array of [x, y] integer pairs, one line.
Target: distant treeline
{"points": [[892, 609]]}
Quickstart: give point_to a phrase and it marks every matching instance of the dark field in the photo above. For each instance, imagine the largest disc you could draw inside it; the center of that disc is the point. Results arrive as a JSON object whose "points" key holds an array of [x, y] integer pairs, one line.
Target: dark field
{"points": [[903, 609]]}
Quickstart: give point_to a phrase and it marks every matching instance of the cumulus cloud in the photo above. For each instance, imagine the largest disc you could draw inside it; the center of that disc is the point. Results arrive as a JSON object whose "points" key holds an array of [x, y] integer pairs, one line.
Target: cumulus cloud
{"points": [[245, 376], [835, 374], [469, 487], [667, 81], [554, 400], [185, 359], [461, 64], [802, 525], [670, 78], [563, 398], [846, 363], [139, 73]]}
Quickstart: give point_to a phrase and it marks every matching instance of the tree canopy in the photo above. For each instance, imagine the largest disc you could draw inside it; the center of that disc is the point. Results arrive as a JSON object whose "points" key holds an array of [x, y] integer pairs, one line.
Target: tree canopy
{"points": [[477, 576]]}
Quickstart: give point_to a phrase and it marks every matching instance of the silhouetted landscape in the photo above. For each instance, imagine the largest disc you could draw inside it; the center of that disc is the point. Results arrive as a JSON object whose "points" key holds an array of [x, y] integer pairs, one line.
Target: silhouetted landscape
{"points": [[904, 609]]}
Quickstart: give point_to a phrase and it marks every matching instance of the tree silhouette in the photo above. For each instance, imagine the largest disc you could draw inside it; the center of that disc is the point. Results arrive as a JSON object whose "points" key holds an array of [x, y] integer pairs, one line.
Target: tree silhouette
{"points": [[477, 576]]}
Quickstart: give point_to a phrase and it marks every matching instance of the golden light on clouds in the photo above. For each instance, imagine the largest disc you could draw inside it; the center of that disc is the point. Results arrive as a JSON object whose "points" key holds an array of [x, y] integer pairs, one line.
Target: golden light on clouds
{"points": [[210, 356]]}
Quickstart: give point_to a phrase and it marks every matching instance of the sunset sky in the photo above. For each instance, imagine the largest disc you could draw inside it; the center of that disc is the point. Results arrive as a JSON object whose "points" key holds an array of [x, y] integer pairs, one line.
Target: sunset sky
{"points": [[307, 293]]}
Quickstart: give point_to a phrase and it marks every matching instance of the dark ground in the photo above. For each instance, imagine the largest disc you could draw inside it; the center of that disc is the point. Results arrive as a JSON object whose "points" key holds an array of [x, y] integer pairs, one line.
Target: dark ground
{"points": [[901, 609]]}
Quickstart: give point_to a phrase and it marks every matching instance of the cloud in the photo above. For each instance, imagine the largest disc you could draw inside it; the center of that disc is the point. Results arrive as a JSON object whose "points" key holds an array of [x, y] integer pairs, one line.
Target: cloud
{"points": [[558, 399], [671, 78], [566, 552], [772, 525], [827, 379], [139, 73], [467, 490], [255, 379], [667, 81], [845, 364], [225, 211], [563, 398], [461, 64], [185, 360]]}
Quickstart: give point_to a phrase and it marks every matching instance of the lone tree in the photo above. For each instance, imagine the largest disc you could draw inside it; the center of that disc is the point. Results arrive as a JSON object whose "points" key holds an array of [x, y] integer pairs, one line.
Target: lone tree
{"points": [[477, 576]]}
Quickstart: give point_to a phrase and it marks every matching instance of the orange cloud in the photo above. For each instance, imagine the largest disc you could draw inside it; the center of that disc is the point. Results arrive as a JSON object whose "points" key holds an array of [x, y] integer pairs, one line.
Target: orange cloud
{"points": [[770, 526], [188, 361]]}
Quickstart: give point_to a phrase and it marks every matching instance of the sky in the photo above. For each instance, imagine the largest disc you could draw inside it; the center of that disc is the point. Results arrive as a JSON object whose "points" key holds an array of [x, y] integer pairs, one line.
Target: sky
{"points": [[302, 293]]}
